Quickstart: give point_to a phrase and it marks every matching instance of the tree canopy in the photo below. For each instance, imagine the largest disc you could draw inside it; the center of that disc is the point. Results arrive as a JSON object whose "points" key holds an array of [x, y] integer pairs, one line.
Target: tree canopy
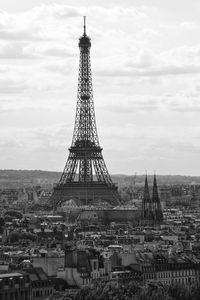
{"points": [[133, 291]]}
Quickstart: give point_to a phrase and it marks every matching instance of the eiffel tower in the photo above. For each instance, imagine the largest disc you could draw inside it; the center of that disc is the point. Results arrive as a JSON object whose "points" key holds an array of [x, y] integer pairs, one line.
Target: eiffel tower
{"points": [[85, 178]]}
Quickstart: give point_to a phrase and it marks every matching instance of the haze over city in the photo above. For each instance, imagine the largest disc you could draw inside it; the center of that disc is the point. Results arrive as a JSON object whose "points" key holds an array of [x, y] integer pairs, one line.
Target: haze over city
{"points": [[145, 59]]}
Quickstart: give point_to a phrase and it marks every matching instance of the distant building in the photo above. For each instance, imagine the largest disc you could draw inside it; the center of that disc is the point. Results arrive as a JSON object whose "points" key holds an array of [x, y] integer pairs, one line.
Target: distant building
{"points": [[49, 262], [107, 216], [170, 269], [165, 193], [151, 206], [15, 286], [124, 275], [41, 286], [8, 196], [83, 266]]}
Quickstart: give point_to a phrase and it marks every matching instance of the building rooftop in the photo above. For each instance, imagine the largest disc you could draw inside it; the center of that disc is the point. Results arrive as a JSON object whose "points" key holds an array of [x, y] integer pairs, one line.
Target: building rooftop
{"points": [[7, 275]]}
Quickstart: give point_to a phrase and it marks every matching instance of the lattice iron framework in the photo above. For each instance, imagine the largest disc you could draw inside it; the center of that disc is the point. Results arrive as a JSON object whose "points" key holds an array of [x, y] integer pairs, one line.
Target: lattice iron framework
{"points": [[85, 165]]}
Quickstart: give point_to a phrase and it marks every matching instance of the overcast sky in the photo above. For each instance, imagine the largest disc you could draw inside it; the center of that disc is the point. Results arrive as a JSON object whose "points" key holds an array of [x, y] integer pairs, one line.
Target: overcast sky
{"points": [[146, 77]]}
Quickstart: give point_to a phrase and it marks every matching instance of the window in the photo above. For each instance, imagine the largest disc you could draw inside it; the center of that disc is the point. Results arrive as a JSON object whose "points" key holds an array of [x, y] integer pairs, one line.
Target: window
{"points": [[95, 265]]}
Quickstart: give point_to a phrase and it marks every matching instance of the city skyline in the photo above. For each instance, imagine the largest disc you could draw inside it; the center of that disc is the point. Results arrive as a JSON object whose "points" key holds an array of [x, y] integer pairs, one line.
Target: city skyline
{"points": [[146, 67]]}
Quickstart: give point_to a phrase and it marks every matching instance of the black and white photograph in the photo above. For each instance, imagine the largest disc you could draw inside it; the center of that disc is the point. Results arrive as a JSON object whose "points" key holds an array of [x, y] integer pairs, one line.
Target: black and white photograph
{"points": [[99, 150]]}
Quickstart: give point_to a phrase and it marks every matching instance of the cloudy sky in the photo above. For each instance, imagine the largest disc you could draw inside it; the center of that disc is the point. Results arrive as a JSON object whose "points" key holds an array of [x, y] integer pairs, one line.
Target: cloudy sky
{"points": [[146, 76]]}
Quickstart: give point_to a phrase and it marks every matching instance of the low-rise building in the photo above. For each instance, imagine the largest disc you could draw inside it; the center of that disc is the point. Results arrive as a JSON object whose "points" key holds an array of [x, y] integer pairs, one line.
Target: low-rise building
{"points": [[15, 286], [41, 286], [168, 269]]}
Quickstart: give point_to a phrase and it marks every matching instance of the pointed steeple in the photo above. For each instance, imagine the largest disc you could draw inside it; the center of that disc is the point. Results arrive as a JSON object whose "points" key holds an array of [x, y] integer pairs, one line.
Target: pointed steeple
{"points": [[146, 190], [146, 202], [155, 196], [156, 202]]}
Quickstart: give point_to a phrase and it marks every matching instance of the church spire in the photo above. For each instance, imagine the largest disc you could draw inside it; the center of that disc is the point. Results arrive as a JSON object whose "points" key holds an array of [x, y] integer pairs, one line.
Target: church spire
{"points": [[155, 196], [156, 202], [146, 202], [146, 190]]}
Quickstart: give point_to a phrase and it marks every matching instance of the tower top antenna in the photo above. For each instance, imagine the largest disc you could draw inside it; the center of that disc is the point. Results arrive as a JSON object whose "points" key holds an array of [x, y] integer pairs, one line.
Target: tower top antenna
{"points": [[84, 41], [84, 18]]}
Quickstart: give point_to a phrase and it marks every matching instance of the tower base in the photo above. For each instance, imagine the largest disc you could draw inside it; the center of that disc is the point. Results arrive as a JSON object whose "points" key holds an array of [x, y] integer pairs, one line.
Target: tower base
{"points": [[85, 193]]}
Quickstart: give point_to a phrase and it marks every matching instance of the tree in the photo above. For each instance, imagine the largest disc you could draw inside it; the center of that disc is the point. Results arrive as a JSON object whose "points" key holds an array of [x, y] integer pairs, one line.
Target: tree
{"points": [[133, 291], [15, 236], [14, 214]]}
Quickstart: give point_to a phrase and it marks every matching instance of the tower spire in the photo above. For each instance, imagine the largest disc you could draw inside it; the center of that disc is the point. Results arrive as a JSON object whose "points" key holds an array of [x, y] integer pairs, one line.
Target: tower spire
{"points": [[155, 189], [84, 26], [156, 201], [147, 212], [146, 189]]}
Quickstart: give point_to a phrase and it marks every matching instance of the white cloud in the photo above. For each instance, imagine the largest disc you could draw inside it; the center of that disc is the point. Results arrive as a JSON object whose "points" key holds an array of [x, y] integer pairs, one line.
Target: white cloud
{"points": [[190, 25], [11, 86], [146, 87], [178, 61], [56, 50], [15, 50]]}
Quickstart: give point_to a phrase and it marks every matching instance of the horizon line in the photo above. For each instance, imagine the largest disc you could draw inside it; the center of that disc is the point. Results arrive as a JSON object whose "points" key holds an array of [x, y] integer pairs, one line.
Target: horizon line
{"points": [[115, 174]]}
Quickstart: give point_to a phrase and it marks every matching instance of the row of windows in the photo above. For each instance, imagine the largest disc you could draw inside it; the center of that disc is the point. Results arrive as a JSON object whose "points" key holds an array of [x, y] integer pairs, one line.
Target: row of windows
{"points": [[97, 274], [176, 273], [179, 281], [13, 285], [18, 295], [149, 276], [42, 293], [170, 274], [124, 275], [86, 281], [170, 266]]}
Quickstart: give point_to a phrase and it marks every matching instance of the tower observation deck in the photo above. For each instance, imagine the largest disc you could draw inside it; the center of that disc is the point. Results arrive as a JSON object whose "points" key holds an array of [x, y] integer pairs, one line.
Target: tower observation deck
{"points": [[85, 178]]}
